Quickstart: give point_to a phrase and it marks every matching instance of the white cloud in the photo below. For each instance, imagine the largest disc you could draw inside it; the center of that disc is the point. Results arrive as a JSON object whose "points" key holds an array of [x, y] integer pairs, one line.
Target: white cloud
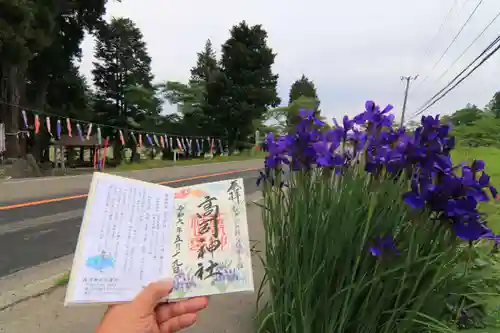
{"points": [[353, 50]]}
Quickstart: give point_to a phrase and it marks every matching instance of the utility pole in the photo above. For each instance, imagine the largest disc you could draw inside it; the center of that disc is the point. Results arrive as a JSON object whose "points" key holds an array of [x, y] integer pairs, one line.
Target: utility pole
{"points": [[407, 79]]}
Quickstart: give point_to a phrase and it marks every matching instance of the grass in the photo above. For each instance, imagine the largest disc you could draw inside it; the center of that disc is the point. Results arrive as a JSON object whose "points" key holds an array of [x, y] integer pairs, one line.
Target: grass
{"points": [[63, 280], [492, 158], [158, 163]]}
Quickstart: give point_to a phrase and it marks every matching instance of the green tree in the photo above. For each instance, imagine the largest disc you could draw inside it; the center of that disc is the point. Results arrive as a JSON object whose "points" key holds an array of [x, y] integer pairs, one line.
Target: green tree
{"points": [[70, 95], [190, 98], [466, 116], [190, 101], [38, 43], [483, 132], [122, 76], [187, 97], [244, 87], [494, 105], [123, 65], [57, 59], [288, 116], [201, 74], [206, 64], [303, 87], [25, 27], [444, 119]]}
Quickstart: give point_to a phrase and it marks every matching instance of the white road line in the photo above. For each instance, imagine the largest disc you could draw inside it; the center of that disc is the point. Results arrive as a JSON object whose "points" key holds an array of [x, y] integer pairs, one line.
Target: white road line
{"points": [[21, 225]]}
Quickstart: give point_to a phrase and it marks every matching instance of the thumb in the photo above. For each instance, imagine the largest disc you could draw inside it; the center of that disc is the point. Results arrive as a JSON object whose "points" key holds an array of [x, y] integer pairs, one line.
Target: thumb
{"points": [[149, 297]]}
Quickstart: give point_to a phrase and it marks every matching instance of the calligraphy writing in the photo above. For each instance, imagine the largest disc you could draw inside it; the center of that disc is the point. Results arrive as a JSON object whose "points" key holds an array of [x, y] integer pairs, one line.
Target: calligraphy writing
{"points": [[176, 264], [208, 221], [197, 240], [234, 195], [234, 191], [210, 270]]}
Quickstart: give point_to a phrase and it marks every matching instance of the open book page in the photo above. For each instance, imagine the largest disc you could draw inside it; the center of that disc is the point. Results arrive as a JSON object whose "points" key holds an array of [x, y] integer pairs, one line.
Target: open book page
{"points": [[134, 233], [211, 248], [124, 240]]}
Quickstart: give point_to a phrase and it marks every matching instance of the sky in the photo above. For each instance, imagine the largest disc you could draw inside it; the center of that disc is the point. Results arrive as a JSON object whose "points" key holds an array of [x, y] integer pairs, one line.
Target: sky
{"points": [[353, 50]]}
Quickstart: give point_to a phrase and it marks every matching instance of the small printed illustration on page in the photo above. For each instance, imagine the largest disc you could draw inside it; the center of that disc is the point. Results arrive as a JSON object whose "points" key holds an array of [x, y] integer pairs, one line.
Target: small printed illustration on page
{"points": [[211, 248]]}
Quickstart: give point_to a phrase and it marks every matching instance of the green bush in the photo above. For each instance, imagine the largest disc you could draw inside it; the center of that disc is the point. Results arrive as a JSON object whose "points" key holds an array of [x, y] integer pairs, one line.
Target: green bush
{"points": [[321, 275]]}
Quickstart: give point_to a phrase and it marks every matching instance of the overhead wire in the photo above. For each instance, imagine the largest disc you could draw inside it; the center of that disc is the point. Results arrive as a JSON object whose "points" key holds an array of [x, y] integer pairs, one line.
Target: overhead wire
{"points": [[441, 27], [491, 45], [470, 45], [454, 39], [495, 45]]}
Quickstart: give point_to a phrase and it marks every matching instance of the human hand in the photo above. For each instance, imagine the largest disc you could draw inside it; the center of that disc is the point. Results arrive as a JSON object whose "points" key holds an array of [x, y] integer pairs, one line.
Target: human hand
{"points": [[145, 314]]}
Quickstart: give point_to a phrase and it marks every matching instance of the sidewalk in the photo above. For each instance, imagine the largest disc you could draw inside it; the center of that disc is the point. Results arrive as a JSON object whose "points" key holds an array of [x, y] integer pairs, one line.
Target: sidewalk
{"points": [[225, 313]]}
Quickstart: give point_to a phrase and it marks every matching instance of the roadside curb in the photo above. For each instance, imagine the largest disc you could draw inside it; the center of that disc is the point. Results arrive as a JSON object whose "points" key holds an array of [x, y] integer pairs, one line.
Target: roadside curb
{"points": [[42, 279], [33, 281], [31, 291]]}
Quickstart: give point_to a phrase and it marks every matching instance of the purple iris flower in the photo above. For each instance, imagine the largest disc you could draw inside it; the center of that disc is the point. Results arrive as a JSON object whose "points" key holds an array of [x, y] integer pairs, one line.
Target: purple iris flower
{"points": [[478, 165], [451, 192], [310, 116], [383, 245], [471, 231]]}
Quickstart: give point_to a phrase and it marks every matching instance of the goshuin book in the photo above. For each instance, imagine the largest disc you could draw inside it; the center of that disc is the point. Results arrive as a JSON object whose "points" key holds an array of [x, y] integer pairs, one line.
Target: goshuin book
{"points": [[135, 232]]}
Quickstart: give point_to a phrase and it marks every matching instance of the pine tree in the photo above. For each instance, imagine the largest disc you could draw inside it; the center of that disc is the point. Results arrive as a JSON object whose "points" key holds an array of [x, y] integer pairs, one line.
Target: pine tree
{"points": [[206, 64], [122, 76], [303, 88], [191, 98], [245, 86], [123, 64]]}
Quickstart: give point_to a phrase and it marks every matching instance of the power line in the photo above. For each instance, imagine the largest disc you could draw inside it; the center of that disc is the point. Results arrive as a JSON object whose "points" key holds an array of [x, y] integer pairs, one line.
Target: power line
{"points": [[492, 44], [454, 39], [441, 27], [460, 81], [497, 40], [470, 45]]}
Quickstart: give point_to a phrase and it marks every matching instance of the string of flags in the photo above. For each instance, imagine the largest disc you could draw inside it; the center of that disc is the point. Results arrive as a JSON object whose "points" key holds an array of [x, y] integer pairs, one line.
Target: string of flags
{"points": [[85, 130]]}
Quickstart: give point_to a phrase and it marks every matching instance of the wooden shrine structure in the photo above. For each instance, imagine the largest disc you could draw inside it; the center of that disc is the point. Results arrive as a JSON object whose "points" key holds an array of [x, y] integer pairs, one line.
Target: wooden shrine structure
{"points": [[70, 151]]}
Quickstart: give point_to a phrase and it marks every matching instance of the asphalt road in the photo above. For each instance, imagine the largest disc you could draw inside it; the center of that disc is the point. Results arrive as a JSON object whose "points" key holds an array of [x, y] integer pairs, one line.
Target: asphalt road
{"points": [[39, 233]]}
